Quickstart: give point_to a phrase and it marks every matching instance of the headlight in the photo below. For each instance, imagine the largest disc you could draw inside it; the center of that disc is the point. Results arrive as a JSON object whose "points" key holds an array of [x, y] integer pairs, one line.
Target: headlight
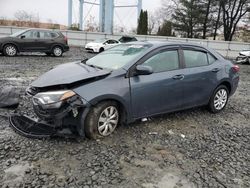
{"points": [[49, 98]]}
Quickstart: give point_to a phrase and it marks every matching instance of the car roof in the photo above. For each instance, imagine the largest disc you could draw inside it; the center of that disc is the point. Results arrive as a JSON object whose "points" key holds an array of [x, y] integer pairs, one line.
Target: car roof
{"points": [[41, 29], [163, 43]]}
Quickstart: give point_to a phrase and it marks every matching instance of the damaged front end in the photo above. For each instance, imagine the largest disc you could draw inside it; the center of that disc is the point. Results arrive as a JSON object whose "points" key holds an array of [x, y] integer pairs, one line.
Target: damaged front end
{"points": [[58, 113], [56, 105], [244, 57]]}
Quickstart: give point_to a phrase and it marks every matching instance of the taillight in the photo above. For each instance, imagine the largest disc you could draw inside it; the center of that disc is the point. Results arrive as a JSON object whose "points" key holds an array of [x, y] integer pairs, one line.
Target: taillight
{"points": [[236, 68], [66, 39]]}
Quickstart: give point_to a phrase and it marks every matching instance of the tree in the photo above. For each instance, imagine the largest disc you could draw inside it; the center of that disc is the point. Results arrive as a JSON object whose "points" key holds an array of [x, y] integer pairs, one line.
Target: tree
{"points": [[27, 19], [165, 29], [142, 28], [188, 17], [218, 22], [232, 12], [246, 30]]}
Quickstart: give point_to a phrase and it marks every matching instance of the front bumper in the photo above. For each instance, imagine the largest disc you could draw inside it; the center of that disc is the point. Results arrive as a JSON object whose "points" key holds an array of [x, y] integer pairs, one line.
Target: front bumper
{"points": [[69, 116], [66, 48], [92, 49]]}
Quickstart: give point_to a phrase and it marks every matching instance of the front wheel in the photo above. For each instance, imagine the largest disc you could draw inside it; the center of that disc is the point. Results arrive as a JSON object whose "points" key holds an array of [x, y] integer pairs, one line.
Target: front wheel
{"points": [[102, 120], [219, 99], [57, 51], [10, 50]]}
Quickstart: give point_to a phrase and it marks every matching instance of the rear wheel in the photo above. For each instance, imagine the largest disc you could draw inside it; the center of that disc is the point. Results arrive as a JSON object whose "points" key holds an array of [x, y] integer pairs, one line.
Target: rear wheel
{"points": [[10, 50], [102, 120], [57, 51], [219, 99]]}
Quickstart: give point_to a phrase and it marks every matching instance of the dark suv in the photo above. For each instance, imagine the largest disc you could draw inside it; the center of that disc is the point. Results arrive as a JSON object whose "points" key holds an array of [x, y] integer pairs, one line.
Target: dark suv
{"points": [[34, 40]]}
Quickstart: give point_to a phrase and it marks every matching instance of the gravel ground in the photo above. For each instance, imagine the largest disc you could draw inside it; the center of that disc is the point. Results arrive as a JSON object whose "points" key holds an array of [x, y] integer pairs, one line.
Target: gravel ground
{"points": [[193, 148]]}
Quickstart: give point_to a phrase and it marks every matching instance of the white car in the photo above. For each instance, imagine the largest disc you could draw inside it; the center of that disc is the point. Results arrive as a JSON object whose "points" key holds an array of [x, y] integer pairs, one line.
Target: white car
{"points": [[100, 45], [244, 57]]}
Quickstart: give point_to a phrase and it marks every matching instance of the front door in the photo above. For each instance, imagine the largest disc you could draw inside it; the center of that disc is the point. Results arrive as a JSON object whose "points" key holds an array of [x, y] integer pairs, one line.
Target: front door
{"points": [[160, 91], [30, 41]]}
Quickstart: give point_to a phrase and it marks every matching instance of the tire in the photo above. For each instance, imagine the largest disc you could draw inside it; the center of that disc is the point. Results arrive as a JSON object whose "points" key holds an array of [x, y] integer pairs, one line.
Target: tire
{"points": [[96, 123], [57, 51], [221, 96], [10, 50], [101, 50]]}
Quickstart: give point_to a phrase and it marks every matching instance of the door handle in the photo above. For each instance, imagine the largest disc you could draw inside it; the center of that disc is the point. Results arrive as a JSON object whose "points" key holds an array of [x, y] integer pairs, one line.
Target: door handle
{"points": [[178, 77], [216, 70]]}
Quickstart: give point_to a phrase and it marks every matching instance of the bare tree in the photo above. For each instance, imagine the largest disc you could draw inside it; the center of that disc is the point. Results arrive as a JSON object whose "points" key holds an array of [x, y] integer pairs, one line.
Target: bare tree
{"points": [[91, 25], [218, 22], [3, 21], [26, 19], [154, 21], [233, 11]]}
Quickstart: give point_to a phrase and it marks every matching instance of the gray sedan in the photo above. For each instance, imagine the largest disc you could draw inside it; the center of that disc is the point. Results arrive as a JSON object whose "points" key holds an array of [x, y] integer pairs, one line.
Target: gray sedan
{"points": [[129, 82]]}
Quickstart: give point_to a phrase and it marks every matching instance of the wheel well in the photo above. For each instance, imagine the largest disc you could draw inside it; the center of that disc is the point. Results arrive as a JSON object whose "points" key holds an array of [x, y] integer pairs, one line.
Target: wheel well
{"points": [[101, 49], [228, 85], [11, 44]]}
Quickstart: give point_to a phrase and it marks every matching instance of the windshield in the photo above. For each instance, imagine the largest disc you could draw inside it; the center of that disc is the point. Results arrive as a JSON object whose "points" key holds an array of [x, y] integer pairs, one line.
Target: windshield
{"points": [[117, 56], [18, 33]]}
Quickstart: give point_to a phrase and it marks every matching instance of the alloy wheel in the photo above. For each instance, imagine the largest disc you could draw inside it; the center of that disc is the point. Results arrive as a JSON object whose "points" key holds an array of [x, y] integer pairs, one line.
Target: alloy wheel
{"points": [[57, 51], [220, 99], [108, 121], [10, 50]]}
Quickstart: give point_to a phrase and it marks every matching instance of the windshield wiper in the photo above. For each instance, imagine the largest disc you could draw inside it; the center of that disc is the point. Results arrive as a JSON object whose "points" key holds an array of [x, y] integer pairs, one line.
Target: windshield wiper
{"points": [[94, 66], [84, 60]]}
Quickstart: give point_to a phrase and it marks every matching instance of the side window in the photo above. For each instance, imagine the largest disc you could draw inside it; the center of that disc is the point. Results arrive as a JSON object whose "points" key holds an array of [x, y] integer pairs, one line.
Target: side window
{"points": [[211, 59], [108, 42], [114, 42], [195, 58], [164, 61], [53, 34], [45, 35], [111, 41], [31, 34]]}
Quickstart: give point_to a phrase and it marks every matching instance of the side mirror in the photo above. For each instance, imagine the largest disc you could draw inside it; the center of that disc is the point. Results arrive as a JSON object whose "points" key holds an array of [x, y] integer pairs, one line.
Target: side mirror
{"points": [[22, 37], [143, 70]]}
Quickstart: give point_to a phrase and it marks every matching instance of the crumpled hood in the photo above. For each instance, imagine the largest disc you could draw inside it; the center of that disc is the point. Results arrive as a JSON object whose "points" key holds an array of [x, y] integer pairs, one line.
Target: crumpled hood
{"points": [[245, 52], [68, 73]]}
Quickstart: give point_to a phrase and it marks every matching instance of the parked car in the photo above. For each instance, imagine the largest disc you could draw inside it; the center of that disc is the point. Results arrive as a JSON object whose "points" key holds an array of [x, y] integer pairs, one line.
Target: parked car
{"points": [[129, 82], [100, 45], [125, 39], [34, 40], [244, 57]]}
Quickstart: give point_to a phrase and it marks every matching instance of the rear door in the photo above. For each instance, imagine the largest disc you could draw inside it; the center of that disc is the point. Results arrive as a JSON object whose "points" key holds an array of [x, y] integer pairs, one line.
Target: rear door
{"points": [[161, 91], [48, 39], [200, 76]]}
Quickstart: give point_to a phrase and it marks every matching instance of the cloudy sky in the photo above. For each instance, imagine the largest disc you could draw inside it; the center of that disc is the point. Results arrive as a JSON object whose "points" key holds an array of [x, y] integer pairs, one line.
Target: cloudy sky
{"points": [[56, 10]]}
